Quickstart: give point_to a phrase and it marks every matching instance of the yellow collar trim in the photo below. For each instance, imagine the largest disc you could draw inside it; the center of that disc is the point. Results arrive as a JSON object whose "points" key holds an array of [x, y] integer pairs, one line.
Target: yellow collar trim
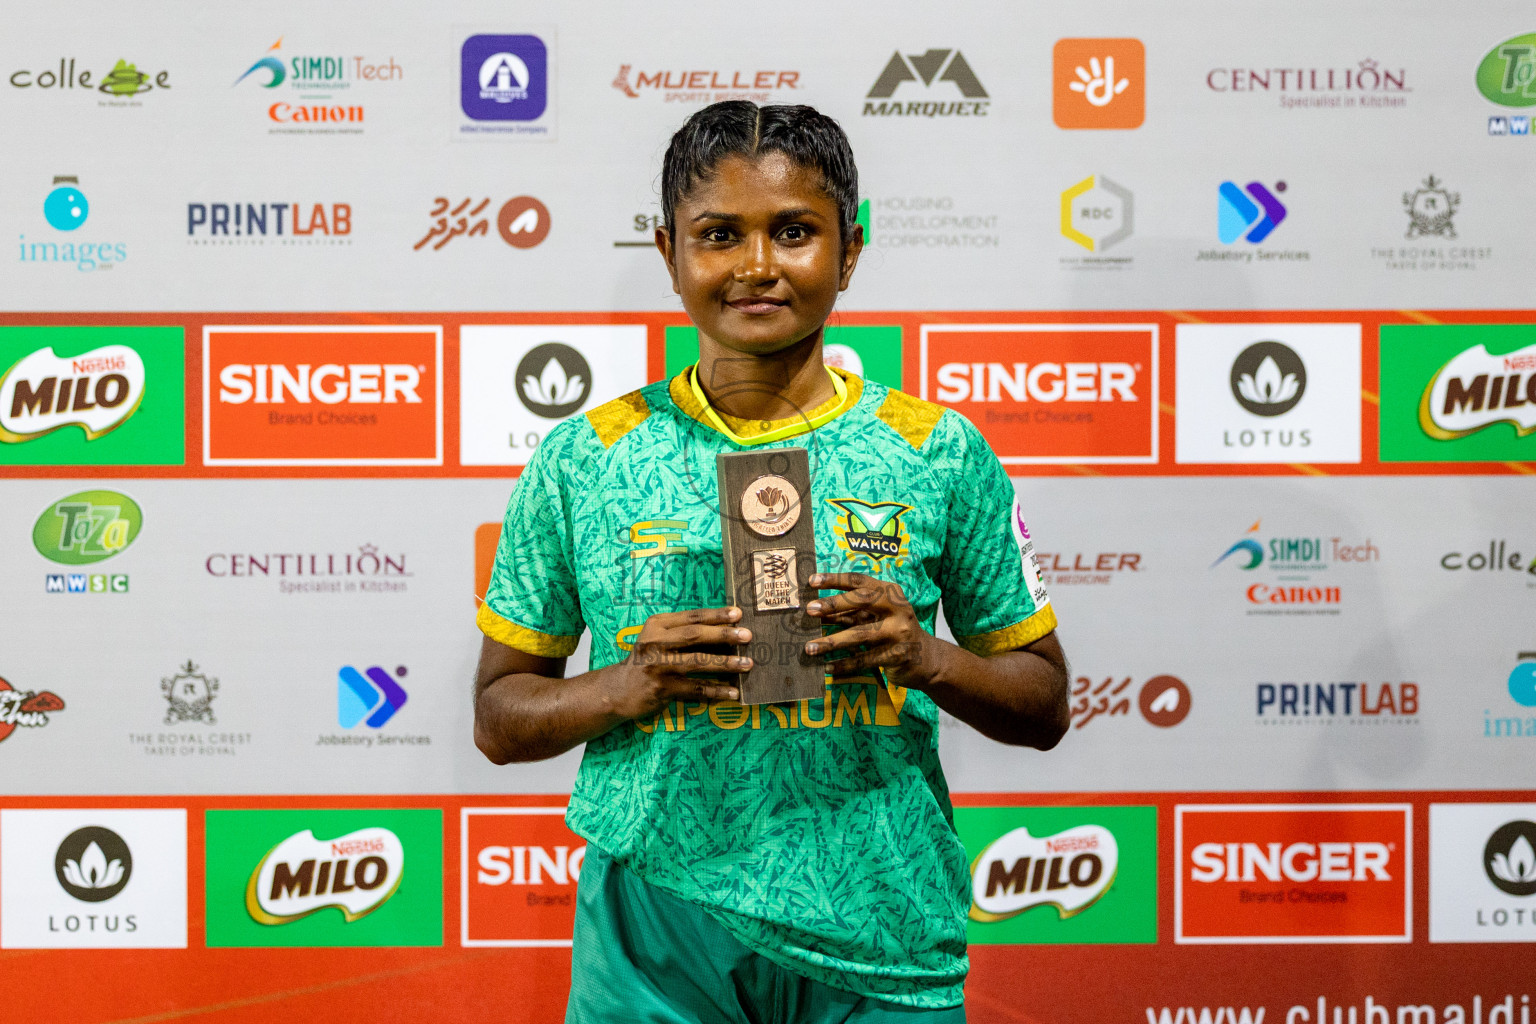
{"points": [[847, 394]]}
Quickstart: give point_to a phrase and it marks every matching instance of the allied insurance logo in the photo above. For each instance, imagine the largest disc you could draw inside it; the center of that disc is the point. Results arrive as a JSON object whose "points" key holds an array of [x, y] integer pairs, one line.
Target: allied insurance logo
{"points": [[517, 876], [1098, 83], [504, 87], [322, 396], [1281, 873], [1049, 393], [1458, 393]]}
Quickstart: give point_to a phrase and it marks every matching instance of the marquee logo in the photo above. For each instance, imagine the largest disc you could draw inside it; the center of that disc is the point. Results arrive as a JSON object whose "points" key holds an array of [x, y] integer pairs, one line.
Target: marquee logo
{"points": [[93, 864], [1070, 871], [354, 873], [96, 391], [928, 68], [1293, 873], [1507, 73], [518, 875], [1477, 389], [1047, 393], [331, 396], [87, 527], [1098, 83]]}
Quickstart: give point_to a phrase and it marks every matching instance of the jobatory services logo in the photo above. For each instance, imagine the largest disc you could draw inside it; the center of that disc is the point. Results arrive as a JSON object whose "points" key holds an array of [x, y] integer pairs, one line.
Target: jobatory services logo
{"points": [[505, 87], [1431, 210], [66, 210], [1293, 580], [120, 84], [522, 222], [1337, 703], [1507, 76], [278, 224], [1164, 701], [517, 876], [708, 86], [322, 396], [1464, 393], [1049, 393], [1369, 84], [1482, 872], [298, 878], [1282, 873], [188, 693], [1061, 875], [25, 709], [370, 698], [318, 90], [93, 879], [516, 383], [1250, 213], [1097, 214], [1275, 393], [1098, 83], [934, 83]]}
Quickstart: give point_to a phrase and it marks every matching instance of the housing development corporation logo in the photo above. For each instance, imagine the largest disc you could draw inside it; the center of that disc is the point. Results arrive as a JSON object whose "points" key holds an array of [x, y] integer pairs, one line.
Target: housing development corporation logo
{"points": [[25, 709], [1097, 214], [1098, 83], [519, 872], [328, 78], [522, 222], [1482, 872], [1295, 565], [1458, 393], [939, 76], [260, 223], [504, 87], [1507, 76], [708, 86]]}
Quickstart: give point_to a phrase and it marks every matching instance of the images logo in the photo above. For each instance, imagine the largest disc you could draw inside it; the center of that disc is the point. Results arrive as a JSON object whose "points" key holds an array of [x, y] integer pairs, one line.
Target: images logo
{"points": [[519, 872], [189, 695], [504, 78], [66, 208], [1430, 209], [1249, 215], [1097, 214], [1458, 393], [1268, 378], [87, 527], [1507, 74], [1098, 83], [25, 709], [522, 222], [1522, 680], [1069, 875], [329, 396], [1293, 873], [93, 864], [371, 694], [869, 532], [928, 67]]}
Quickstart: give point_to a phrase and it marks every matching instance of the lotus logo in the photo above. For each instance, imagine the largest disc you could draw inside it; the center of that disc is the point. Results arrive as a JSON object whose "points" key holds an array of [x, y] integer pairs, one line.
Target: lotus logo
{"points": [[1070, 871], [1268, 378], [553, 380], [93, 864], [1510, 858]]}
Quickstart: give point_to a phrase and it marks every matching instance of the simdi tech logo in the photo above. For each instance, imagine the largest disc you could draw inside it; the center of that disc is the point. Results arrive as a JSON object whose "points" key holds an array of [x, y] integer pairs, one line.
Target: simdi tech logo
{"points": [[934, 83], [1049, 393], [328, 78], [364, 877], [323, 396], [1299, 569], [1061, 875], [1482, 872], [66, 210], [93, 879], [1458, 393], [1283, 873], [1507, 76], [1098, 83], [505, 86], [91, 396], [517, 876]]}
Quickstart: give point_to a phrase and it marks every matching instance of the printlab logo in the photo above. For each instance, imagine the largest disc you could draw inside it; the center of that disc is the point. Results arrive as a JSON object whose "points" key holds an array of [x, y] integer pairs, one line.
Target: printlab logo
{"points": [[1268, 378], [1249, 213], [25, 709], [93, 864], [1097, 214], [1164, 701], [1098, 83], [929, 68], [1355, 703], [553, 380], [522, 222], [120, 84], [189, 696], [1510, 859], [706, 86], [66, 209], [281, 223], [1507, 76], [370, 696]]}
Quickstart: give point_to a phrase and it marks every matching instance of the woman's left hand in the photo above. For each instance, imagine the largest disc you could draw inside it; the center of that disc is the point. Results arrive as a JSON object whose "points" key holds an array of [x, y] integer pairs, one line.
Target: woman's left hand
{"points": [[883, 631]]}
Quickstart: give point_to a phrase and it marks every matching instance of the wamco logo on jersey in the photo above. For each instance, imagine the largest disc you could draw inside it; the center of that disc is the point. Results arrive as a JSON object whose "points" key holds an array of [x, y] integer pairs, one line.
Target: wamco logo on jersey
{"points": [[1293, 873], [260, 223], [518, 874], [1368, 84], [938, 75], [1295, 563], [1482, 872], [1458, 393], [1049, 393], [1277, 393], [1061, 875], [328, 77], [322, 396], [707, 86]]}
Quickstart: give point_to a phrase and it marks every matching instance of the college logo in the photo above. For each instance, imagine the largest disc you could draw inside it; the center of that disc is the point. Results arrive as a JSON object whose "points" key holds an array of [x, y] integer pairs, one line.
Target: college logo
{"points": [[87, 527], [254, 223], [25, 709], [371, 694], [706, 86], [1249, 213], [1098, 83], [324, 878], [1079, 875], [504, 86], [189, 696], [518, 873], [1279, 393], [1507, 74], [1293, 873], [1164, 701], [1097, 214], [1049, 393], [322, 396], [516, 383], [122, 81], [522, 222], [1458, 393], [1482, 872], [869, 532], [93, 879], [1499, 558], [928, 68]]}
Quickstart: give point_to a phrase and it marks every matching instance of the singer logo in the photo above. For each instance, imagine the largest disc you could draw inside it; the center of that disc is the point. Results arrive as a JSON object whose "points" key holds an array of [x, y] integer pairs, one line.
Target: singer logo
{"points": [[323, 396], [1049, 393], [518, 876], [96, 391], [1293, 873]]}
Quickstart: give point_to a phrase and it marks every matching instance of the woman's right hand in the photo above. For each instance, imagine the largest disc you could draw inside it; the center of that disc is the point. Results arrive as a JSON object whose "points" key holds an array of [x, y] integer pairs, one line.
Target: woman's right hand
{"points": [[656, 672]]}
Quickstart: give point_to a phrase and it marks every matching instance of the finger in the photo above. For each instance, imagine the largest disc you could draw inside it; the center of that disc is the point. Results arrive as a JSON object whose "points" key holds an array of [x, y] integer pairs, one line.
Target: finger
{"points": [[695, 635], [856, 617], [695, 616], [853, 636], [840, 580], [681, 663], [862, 597], [859, 663], [714, 693]]}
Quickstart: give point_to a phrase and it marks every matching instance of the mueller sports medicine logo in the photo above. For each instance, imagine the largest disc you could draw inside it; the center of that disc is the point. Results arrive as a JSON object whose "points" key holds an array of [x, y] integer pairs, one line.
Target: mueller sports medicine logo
{"points": [[322, 396], [1098, 83], [713, 86], [1293, 873], [355, 873], [1367, 84], [96, 391], [260, 223], [1070, 871], [1046, 393], [939, 76], [518, 874], [1476, 390]]}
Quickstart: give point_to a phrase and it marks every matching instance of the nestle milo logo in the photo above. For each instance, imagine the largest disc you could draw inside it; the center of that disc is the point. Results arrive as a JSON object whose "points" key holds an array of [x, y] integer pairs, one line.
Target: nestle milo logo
{"points": [[96, 391], [87, 527]]}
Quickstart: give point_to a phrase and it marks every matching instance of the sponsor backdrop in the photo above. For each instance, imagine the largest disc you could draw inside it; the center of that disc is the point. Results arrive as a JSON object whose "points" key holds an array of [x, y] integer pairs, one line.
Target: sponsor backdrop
{"points": [[293, 294]]}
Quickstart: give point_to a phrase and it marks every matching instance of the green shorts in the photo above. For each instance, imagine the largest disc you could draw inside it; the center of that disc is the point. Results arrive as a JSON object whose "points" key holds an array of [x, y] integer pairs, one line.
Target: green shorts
{"points": [[643, 956]]}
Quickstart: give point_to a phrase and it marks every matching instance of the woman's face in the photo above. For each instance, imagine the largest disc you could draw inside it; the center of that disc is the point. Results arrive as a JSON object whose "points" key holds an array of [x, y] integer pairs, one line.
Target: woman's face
{"points": [[757, 258]]}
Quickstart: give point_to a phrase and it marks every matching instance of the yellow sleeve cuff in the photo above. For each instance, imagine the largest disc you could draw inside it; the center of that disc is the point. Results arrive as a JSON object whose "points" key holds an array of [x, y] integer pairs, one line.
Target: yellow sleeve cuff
{"points": [[521, 638], [1009, 638]]}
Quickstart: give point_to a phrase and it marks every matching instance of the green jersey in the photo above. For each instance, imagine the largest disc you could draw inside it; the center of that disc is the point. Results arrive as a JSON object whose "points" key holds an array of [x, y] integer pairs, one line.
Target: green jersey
{"points": [[819, 833]]}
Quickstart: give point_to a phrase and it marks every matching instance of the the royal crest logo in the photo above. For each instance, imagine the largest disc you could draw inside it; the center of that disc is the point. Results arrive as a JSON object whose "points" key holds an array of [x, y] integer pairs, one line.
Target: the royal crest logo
{"points": [[1430, 208], [189, 694], [96, 391], [1070, 871], [27, 709], [1477, 389], [355, 873], [871, 531]]}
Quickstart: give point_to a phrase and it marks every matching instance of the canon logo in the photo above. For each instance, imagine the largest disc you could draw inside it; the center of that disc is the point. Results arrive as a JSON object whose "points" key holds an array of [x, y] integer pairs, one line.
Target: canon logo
{"points": [[1296, 862], [329, 383], [528, 865], [1042, 382]]}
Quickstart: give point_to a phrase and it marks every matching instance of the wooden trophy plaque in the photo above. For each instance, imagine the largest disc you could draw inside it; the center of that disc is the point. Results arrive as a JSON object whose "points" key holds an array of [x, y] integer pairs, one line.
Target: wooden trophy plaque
{"points": [[768, 538]]}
